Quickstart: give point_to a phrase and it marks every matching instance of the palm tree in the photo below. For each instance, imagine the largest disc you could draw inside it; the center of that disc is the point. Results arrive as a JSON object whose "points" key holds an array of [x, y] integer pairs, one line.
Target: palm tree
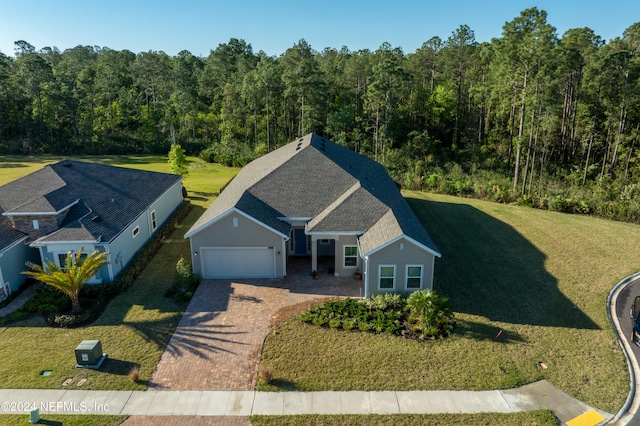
{"points": [[72, 277], [432, 312]]}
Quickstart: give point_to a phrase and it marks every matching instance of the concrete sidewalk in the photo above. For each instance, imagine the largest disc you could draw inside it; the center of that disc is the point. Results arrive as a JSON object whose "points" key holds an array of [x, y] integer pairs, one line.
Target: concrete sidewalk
{"points": [[246, 403]]}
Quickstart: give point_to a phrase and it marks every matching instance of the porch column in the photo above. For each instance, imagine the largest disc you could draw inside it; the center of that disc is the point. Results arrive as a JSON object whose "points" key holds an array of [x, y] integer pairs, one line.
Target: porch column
{"points": [[314, 253]]}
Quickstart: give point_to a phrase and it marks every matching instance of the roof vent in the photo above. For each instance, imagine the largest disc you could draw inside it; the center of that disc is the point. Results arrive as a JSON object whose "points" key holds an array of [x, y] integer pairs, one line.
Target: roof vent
{"points": [[96, 219], [66, 164]]}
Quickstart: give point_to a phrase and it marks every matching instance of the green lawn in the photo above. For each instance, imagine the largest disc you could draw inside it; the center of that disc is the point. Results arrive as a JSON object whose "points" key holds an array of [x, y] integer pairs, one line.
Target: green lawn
{"points": [[530, 418], [541, 277], [135, 327]]}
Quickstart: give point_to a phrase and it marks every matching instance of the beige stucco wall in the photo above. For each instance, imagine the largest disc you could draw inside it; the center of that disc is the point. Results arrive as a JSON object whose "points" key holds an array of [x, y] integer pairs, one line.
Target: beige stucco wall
{"points": [[247, 234], [401, 253], [345, 240]]}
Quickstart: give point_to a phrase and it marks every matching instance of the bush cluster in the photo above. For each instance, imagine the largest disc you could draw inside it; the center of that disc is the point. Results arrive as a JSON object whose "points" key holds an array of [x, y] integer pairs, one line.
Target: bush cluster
{"points": [[185, 282], [422, 315], [606, 197], [238, 156]]}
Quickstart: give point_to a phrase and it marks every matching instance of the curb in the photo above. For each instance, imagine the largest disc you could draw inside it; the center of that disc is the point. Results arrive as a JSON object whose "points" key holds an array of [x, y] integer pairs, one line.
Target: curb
{"points": [[632, 384]]}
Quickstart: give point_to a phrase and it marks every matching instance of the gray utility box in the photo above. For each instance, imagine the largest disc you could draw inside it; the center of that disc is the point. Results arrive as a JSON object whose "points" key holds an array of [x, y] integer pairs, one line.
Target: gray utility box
{"points": [[89, 352]]}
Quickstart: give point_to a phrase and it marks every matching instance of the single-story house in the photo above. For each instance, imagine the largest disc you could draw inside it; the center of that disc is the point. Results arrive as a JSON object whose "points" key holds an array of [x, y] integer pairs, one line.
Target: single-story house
{"points": [[314, 198], [71, 205]]}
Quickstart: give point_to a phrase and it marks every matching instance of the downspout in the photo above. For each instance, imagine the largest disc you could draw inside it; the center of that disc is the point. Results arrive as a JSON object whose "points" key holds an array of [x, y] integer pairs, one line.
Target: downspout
{"points": [[366, 277]]}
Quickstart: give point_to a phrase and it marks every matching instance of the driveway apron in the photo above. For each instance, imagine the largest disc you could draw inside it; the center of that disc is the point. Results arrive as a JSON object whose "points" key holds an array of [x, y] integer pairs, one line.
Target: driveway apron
{"points": [[218, 342]]}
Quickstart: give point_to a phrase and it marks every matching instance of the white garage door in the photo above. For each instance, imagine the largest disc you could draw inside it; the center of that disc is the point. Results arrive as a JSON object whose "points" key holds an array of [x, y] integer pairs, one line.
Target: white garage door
{"points": [[238, 262]]}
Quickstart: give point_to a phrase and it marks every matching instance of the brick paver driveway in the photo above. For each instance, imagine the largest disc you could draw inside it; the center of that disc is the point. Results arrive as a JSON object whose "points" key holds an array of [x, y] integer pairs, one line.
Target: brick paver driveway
{"points": [[218, 342]]}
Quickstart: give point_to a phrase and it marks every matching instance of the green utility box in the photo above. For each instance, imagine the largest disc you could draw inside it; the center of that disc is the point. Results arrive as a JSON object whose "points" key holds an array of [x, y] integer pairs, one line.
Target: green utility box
{"points": [[89, 352]]}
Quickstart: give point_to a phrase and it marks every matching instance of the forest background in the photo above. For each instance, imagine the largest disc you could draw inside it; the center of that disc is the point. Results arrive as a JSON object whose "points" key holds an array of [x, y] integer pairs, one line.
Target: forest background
{"points": [[532, 117]]}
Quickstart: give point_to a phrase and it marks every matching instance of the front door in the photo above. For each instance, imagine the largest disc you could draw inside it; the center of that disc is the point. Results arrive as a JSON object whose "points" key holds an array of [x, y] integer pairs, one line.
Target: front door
{"points": [[299, 242]]}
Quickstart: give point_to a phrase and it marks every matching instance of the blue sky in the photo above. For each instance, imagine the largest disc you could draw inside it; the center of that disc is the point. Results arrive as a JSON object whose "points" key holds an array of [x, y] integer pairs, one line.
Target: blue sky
{"points": [[274, 26]]}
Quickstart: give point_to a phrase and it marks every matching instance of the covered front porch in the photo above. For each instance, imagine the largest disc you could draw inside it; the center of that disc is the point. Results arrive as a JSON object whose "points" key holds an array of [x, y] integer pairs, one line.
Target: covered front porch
{"points": [[300, 280], [332, 254]]}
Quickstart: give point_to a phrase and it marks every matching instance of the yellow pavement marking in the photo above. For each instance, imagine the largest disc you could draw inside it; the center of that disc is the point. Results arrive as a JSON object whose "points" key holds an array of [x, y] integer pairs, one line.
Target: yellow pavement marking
{"points": [[590, 418]]}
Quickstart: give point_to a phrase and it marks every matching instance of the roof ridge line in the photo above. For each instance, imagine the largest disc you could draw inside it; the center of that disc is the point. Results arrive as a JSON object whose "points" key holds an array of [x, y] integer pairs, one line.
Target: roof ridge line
{"points": [[337, 202]]}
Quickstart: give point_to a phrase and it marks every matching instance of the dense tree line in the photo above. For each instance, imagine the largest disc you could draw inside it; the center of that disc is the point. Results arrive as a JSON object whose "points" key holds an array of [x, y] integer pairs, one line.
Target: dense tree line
{"points": [[529, 115]]}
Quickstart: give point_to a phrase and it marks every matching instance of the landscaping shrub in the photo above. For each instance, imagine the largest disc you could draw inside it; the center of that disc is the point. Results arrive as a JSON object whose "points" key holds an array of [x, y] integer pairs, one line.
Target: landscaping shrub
{"points": [[185, 282], [431, 312], [384, 301], [383, 313]]}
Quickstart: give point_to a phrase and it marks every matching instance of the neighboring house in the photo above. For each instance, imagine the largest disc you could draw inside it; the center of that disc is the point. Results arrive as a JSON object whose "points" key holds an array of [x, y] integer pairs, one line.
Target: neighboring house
{"points": [[314, 198], [73, 204]]}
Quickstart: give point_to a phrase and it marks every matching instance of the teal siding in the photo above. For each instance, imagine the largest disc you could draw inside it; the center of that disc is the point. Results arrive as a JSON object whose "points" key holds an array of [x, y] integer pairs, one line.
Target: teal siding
{"points": [[12, 263]]}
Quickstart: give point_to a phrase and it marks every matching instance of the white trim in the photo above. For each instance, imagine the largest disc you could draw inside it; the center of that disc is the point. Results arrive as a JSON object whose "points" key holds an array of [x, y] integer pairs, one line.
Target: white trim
{"points": [[398, 238], [38, 243], [334, 233], [395, 273], [227, 213], [294, 218], [406, 276], [42, 213], [5, 287], [344, 256]]}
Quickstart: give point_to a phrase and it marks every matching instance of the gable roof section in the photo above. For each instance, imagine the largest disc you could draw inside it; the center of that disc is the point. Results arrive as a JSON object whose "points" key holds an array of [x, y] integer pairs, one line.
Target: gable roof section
{"points": [[343, 191], [102, 200], [353, 212], [36, 192]]}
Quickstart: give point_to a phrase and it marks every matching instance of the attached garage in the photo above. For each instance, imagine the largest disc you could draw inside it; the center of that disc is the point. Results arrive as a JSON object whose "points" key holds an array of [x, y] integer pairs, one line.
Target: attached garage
{"points": [[238, 262]]}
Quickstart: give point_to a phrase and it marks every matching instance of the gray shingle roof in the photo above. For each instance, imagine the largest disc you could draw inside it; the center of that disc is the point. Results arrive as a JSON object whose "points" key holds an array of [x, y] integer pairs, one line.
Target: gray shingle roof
{"points": [[112, 196], [8, 235], [341, 190]]}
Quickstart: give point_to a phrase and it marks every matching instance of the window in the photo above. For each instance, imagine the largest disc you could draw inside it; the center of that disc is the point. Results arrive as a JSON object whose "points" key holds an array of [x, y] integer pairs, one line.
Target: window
{"points": [[62, 259], [135, 231], [386, 277], [154, 222], [350, 256], [414, 276]]}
